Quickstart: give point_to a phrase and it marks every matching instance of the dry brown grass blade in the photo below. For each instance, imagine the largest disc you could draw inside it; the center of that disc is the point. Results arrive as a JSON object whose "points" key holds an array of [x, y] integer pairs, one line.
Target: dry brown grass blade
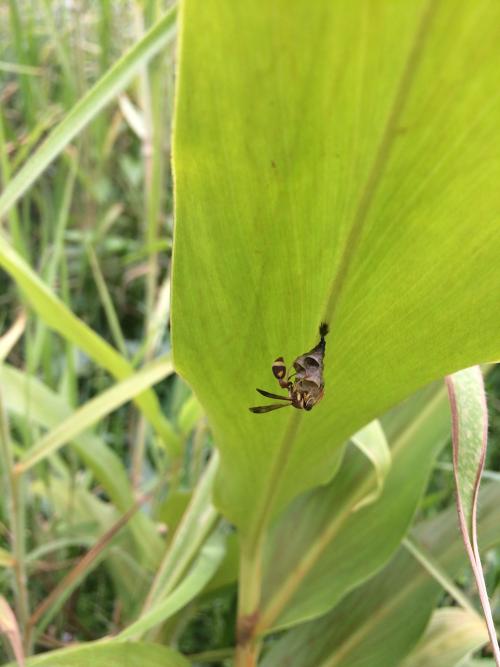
{"points": [[10, 628], [12, 335], [85, 563]]}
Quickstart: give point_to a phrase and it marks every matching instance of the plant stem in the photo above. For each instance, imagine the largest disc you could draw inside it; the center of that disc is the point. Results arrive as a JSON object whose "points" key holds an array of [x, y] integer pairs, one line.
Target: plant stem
{"points": [[250, 584], [154, 110], [16, 509]]}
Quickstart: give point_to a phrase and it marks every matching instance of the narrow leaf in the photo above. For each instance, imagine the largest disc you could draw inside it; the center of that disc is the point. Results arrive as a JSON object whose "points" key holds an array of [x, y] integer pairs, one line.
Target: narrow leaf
{"points": [[112, 83], [94, 410], [111, 654], [10, 337], [372, 442], [469, 415], [56, 598], [195, 580], [196, 524], [28, 398]]}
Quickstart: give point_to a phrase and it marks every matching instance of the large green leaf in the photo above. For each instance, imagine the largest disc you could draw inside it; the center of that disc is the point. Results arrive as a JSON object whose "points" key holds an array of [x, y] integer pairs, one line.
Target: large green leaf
{"points": [[331, 545], [379, 623], [334, 161]]}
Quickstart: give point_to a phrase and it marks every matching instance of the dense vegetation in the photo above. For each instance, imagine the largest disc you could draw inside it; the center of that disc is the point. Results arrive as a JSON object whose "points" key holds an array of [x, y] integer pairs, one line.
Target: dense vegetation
{"points": [[171, 519]]}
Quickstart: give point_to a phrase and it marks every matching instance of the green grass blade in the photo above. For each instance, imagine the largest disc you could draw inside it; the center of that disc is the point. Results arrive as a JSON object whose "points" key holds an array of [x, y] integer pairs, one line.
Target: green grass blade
{"points": [[110, 653], [112, 83], [197, 522], [201, 572], [95, 409], [58, 317], [28, 398], [107, 301]]}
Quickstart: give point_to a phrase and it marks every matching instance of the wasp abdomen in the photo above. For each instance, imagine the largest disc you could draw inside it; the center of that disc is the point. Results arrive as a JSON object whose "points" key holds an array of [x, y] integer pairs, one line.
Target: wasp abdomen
{"points": [[279, 368]]}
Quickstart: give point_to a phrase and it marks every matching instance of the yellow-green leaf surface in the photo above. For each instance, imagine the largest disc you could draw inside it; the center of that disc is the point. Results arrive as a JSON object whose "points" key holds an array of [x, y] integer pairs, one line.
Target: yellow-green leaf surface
{"points": [[338, 161]]}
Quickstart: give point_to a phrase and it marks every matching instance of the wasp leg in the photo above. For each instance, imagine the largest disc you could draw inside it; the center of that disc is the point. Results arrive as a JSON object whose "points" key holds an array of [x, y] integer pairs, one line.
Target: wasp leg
{"points": [[268, 394], [268, 408]]}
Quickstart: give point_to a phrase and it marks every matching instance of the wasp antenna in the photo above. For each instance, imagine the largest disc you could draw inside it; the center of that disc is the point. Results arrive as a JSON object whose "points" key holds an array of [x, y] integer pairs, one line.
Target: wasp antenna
{"points": [[323, 329]]}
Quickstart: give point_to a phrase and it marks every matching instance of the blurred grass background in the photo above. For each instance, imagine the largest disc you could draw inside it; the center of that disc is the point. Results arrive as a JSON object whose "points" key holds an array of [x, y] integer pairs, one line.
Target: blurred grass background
{"points": [[97, 227]]}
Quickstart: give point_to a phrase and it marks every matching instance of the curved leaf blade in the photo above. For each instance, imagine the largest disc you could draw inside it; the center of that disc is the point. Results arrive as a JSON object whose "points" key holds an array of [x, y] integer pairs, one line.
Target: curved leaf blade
{"points": [[195, 580], [469, 416], [372, 442], [333, 544], [381, 621], [451, 636], [26, 396]]}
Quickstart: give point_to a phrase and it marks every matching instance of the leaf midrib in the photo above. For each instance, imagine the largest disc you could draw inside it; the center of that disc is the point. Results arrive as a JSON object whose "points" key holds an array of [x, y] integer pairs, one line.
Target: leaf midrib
{"points": [[375, 176]]}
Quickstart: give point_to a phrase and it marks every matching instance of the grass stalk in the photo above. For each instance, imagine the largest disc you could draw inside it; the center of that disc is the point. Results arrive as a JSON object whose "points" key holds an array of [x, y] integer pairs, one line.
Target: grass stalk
{"points": [[88, 107], [107, 301], [249, 596], [16, 512], [154, 112]]}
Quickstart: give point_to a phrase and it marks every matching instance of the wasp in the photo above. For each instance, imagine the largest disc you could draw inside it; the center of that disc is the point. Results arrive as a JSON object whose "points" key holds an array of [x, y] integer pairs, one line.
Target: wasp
{"points": [[304, 382]]}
